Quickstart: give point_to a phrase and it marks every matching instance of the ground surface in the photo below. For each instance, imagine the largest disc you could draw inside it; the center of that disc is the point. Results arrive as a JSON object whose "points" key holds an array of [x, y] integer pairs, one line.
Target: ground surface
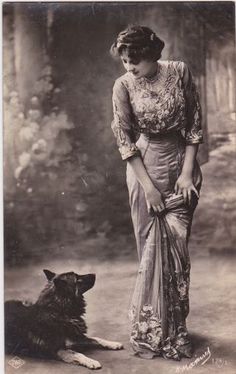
{"points": [[211, 320]]}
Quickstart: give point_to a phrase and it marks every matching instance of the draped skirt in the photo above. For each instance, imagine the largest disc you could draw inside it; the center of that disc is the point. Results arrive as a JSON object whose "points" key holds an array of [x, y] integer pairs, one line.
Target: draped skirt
{"points": [[160, 302]]}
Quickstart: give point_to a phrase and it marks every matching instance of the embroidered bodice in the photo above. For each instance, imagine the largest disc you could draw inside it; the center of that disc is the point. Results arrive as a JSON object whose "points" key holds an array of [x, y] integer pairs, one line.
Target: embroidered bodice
{"points": [[167, 102]]}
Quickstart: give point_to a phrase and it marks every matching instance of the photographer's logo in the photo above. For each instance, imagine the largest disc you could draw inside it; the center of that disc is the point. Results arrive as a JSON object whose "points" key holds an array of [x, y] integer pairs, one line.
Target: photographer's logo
{"points": [[16, 362]]}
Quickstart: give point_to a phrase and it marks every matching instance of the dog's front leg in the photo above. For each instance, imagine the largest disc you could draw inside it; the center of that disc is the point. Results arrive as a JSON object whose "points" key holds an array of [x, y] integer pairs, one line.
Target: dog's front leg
{"points": [[72, 357], [108, 344]]}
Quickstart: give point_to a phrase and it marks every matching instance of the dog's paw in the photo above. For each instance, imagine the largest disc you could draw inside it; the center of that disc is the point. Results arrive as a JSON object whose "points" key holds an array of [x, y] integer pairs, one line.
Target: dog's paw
{"points": [[73, 357], [108, 344], [92, 364], [115, 345]]}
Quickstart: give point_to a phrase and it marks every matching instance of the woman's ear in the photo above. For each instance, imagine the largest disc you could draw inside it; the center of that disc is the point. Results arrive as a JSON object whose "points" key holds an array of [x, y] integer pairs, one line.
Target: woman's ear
{"points": [[49, 274]]}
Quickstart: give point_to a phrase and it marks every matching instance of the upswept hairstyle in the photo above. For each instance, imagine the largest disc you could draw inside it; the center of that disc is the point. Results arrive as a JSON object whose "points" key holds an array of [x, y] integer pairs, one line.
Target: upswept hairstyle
{"points": [[139, 42]]}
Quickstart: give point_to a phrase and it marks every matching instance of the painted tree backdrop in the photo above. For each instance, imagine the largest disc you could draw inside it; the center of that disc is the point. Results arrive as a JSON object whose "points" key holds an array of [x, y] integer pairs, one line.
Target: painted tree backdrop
{"points": [[63, 177]]}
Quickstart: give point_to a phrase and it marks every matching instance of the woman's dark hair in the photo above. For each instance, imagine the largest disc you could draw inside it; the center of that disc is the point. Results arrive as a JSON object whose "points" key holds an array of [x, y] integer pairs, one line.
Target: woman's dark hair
{"points": [[139, 42]]}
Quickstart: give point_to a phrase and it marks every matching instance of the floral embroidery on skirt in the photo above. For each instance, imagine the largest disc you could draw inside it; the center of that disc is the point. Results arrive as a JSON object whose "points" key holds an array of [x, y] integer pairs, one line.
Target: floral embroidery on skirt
{"points": [[160, 302]]}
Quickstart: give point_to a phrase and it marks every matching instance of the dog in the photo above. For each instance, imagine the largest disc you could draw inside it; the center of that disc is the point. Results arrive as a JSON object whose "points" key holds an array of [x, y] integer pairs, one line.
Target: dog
{"points": [[53, 327]]}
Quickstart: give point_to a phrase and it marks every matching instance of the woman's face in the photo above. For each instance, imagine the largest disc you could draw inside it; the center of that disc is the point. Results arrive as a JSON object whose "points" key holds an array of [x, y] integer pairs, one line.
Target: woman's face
{"points": [[139, 68]]}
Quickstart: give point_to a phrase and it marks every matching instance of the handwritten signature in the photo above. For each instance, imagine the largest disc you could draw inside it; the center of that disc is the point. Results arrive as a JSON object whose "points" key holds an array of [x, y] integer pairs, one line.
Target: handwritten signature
{"points": [[201, 360]]}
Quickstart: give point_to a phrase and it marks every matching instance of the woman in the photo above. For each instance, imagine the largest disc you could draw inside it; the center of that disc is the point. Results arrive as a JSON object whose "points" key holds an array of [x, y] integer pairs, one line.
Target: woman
{"points": [[158, 100]]}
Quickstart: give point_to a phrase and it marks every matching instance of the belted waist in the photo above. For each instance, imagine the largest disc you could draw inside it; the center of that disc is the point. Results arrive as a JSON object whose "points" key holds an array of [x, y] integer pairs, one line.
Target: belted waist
{"points": [[171, 135]]}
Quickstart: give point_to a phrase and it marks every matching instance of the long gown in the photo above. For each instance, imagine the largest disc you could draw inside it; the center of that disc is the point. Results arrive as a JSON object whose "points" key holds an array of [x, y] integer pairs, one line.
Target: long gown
{"points": [[165, 113]]}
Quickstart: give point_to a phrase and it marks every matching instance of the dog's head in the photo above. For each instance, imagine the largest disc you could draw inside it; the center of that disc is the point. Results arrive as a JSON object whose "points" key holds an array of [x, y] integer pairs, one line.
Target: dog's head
{"points": [[71, 283]]}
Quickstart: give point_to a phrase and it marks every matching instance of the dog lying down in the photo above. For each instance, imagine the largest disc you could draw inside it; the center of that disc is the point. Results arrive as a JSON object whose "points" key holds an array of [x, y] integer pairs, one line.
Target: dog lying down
{"points": [[54, 327]]}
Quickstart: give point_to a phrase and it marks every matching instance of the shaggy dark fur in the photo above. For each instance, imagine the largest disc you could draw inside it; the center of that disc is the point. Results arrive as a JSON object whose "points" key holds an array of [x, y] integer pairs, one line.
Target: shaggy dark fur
{"points": [[43, 328]]}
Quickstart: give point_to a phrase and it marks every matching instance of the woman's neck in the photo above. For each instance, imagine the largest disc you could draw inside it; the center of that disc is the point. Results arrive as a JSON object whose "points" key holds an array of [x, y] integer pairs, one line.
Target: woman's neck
{"points": [[153, 71]]}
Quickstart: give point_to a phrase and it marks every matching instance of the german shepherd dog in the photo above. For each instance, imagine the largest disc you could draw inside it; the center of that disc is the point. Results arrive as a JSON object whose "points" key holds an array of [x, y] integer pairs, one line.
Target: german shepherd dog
{"points": [[54, 326]]}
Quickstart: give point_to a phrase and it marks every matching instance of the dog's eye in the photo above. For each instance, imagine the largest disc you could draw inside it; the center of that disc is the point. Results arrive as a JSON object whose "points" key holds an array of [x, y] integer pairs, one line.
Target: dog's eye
{"points": [[79, 280]]}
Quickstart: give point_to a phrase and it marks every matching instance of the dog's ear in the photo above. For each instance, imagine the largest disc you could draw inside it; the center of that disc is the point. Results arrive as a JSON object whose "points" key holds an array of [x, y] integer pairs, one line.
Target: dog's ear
{"points": [[49, 274]]}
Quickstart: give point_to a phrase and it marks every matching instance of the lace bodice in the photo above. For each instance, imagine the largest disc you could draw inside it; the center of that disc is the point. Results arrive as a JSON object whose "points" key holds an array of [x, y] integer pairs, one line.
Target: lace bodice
{"points": [[167, 102]]}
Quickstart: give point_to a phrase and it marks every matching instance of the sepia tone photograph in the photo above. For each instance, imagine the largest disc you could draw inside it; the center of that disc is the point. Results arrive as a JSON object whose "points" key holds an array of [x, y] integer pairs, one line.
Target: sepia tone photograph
{"points": [[119, 145]]}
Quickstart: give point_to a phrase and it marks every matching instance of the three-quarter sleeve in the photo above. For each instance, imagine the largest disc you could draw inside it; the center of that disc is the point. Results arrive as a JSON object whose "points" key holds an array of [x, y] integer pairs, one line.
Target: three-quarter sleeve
{"points": [[193, 130], [122, 122]]}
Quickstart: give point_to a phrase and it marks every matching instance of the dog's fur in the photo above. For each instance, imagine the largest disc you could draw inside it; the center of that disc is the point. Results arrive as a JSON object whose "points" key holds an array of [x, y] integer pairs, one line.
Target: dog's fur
{"points": [[54, 327]]}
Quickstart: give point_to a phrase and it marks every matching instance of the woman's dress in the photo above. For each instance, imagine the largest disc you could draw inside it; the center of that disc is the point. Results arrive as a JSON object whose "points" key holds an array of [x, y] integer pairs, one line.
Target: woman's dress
{"points": [[165, 112]]}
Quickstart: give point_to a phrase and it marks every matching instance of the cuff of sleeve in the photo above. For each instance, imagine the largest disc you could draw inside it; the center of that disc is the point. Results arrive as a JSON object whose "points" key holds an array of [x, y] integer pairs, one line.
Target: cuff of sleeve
{"points": [[194, 141], [194, 137], [127, 152]]}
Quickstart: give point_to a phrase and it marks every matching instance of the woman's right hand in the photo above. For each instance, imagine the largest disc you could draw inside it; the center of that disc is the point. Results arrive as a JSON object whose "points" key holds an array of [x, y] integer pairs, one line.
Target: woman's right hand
{"points": [[152, 194], [154, 200]]}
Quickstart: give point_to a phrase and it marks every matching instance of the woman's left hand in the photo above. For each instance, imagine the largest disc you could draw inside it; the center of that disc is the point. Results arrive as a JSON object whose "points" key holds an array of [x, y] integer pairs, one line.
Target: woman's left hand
{"points": [[184, 185]]}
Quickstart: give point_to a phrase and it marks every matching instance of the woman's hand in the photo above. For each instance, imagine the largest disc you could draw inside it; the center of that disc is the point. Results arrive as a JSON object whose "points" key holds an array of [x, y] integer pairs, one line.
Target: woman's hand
{"points": [[184, 185], [154, 200], [152, 195]]}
